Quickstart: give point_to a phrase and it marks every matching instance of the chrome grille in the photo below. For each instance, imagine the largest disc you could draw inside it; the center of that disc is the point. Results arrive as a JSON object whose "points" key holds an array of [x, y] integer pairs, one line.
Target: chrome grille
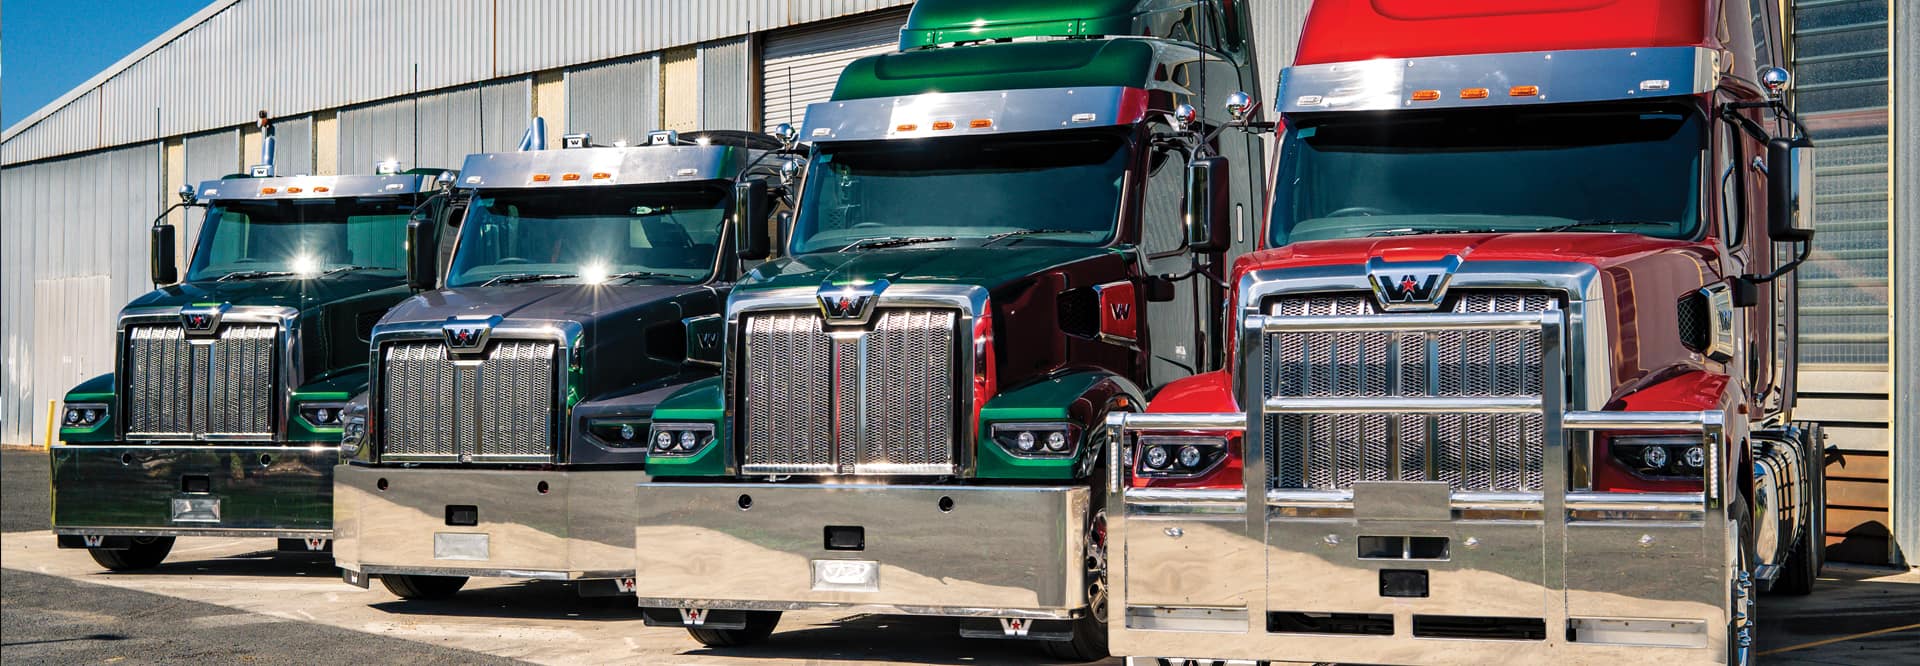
{"points": [[1491, 452], [875, 400], [180, 387], [497, 407]]}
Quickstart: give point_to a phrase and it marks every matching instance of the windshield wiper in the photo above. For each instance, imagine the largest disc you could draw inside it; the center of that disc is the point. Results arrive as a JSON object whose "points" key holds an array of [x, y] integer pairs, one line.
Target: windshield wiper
{"points": [[893, 241], [634, 275], [515, 278], [1595, 223], [252, 275], [1411, 231], [343, 269], [1025, 232]]}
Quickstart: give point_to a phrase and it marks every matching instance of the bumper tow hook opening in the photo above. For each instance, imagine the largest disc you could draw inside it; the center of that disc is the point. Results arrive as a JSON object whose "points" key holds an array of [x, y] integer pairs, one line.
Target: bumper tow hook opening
{"points": [[542, 487], [946, 504], [126, 458], [381, 484], [745, 501], [266, 460], [198, 484]]}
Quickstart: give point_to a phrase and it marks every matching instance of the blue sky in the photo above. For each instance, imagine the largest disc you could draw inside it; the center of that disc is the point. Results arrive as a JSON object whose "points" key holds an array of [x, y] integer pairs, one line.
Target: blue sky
{"points": [[49, 46]]}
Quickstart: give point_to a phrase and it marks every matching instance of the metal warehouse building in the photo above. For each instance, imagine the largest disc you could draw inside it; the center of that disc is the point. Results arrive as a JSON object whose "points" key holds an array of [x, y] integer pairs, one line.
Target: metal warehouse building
{"points": [[352, 82]]}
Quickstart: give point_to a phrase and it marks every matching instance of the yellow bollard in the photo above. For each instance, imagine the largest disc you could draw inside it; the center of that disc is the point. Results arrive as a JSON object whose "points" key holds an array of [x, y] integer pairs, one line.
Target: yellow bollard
{"points": [[53, 409]]}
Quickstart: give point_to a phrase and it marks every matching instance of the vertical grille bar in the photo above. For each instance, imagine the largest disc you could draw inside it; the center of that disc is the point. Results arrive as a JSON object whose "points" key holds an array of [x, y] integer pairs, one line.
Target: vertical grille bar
{"points": [[436, 408]]}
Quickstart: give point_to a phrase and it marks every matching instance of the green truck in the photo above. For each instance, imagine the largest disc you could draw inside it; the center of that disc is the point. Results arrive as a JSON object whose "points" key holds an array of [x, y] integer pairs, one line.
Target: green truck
{"points": [[1012, 227], [223, 414]]}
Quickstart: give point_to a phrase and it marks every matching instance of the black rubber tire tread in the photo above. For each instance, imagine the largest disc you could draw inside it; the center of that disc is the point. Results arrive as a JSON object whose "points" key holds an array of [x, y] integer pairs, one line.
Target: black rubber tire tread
{"points": [[1802, 569], [143, 555], [422, 588], [760, 625]]}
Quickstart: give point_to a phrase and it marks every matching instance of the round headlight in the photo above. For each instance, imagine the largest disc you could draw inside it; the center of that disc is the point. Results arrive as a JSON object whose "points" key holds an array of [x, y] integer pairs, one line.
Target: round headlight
{"points": [[1189, 456], [626, 431], [89, 416], [1056, 441], [1696, 457], [1024, 440], [688, 439], [322, 415], [663, 441], [73, 416], [1157, 457], [1654, 456]]}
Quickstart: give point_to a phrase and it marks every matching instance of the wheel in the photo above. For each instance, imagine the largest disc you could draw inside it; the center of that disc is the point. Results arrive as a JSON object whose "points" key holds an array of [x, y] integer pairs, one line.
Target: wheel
{"points": [[1802, 568], [146, 553], [1742, 618], [414, 587], [760, 625], [1089, 641]]}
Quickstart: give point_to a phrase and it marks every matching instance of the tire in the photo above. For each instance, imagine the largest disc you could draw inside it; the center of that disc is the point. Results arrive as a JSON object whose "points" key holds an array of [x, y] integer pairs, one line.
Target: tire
{"points": [[1802, 567], [421, 588], [760, 625], [1089, 641], [146, 553], [1743, 619]]}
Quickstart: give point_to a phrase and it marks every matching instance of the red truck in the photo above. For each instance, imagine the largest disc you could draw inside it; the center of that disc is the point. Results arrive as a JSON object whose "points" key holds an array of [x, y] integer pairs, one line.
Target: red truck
{"points": [[1513, 378]]}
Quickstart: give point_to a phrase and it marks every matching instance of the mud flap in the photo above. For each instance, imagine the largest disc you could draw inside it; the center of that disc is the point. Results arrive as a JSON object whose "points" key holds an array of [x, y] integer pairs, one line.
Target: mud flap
{"points": [[1017, 628], [306, 545], [355, 578], [605, 587], [95, 541], [704, 618]]}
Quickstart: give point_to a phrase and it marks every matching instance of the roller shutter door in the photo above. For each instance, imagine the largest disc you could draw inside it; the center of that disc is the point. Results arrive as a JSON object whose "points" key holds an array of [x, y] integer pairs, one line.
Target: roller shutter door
{"points": [[799, 66]]}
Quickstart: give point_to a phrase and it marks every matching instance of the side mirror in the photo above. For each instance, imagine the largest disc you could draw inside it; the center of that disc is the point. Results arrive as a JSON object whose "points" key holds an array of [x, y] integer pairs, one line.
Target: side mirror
{"points": [[164, 267], [1790, 190], [751, 207], [1207, 204], [423, 252], [703, 340]]}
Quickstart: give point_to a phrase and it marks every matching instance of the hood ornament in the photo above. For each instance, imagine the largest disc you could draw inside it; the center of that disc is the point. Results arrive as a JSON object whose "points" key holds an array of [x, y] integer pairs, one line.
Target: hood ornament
{"points": [[202, 319], [1411, 286], [467, 336], [849, 304]]}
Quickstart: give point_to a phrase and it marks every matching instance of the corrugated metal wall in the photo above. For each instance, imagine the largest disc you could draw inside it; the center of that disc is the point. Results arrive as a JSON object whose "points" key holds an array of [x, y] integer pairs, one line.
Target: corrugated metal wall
{"points": [[798, 66], [615, 101], [293, 146], [209, 156], [1276, 29], [435, 129], [75, 248], [1905, 482], [726, 84]]}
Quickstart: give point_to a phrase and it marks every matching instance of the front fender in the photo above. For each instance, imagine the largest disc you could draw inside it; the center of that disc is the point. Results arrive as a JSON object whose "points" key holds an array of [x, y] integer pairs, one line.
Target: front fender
{"points": [[97, 391], [700, 402], [331, 390], [1206, 393], [1082, 398]]}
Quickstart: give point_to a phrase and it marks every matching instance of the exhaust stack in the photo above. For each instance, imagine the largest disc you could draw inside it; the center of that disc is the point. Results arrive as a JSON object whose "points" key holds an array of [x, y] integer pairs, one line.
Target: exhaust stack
{"points": [[265, 167], [536, 136]]}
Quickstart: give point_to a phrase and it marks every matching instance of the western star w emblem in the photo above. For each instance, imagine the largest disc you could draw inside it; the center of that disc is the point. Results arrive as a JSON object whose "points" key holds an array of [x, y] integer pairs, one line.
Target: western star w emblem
{"points": [[849, 304], [202, 319], [466, 337], [1411, 285]]}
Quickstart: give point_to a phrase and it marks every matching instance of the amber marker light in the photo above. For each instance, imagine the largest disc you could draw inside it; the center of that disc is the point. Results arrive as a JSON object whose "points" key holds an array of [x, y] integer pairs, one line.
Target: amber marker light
{"points": [[1523, 91], [569, 176], [1473, 93], [1425, 95], [269, 190], [907, 127], [541, 177], [293, 190], [601, 175], [322, 188], [979, 123], [943, 124]]}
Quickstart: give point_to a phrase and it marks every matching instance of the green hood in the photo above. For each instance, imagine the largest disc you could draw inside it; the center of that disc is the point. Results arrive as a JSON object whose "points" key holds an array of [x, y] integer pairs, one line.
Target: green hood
{"points": [[281, 292], [989, 267]]}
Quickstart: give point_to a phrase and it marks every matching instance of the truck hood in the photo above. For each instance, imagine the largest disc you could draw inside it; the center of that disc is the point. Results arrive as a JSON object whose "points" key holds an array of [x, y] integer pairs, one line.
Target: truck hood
{"points": [[300, 294], [1602, 250], [989, 267], [570, 302]]}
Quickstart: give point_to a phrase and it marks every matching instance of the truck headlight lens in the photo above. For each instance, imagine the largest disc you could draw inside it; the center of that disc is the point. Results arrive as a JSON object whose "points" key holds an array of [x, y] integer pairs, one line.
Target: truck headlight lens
{"points": [[619, 433], [324, 415], [1180, 456], [1037, 440], [680, 439], [626, 432], [1660, 456], [83, 415]]}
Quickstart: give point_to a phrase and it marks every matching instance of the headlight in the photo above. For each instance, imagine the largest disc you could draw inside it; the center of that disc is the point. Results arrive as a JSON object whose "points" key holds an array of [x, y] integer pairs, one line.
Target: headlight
{"points": [[1037, 440], [680, 439], [324, 415], [619, 433], [83, 415], [1660, 456], [1179, 456]]}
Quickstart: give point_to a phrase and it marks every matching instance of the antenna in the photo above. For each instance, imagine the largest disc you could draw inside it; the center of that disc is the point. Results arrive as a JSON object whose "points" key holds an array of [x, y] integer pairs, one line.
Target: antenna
{"points": [[790, 118]]}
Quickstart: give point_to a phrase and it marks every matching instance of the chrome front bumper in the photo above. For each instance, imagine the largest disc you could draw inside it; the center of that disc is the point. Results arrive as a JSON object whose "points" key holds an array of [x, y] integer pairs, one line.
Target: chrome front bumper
{"points": [[578, 528], [193, 490], [1006, 552]]}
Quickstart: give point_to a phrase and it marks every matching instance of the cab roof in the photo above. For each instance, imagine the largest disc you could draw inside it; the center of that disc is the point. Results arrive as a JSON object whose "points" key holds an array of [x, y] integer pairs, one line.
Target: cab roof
{"points": [[936, 22], [1050, 64], [1355, 30]]}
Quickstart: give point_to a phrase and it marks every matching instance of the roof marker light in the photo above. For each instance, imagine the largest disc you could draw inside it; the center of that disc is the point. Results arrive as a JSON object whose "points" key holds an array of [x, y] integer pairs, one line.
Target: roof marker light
{"points": [[1523, 91], [601, 175], [541, 177], [293, 190], [1084, 117], [905, 127], [1473, 93], [979, 123], [269, 190], [943, 124], [1425, 95], [322, 188], [1655, 84], [569, 176]]}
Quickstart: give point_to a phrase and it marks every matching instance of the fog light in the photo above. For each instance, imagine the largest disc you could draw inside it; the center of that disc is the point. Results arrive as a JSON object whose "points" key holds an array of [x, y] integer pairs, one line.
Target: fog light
{"points": [[1655, 457], [73, 416], [1024, 440], [663, 441], [1157, 457], [1696, 457], [626, 431], [1189, 456], [323, 415], [688, 439], [1056, 441]]}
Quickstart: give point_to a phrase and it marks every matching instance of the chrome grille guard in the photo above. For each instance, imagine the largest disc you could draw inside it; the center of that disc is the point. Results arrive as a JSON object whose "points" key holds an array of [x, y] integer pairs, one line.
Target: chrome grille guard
{"points": [[222, 375]]}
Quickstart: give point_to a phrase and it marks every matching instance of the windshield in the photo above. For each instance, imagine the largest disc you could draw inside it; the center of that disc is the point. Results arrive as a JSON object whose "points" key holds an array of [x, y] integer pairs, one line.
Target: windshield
{"points": [[649, 232], [301, 237], [1066, 186], [1573, 168]]}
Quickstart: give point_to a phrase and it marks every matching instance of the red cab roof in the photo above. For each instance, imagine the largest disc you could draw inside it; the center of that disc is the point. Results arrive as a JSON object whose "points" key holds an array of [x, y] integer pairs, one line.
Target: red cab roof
{"points": [[1348, 30]]}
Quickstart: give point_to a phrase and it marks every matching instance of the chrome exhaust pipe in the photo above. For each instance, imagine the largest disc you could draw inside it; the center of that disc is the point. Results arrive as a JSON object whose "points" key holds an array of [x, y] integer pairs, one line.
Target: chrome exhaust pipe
{"points": [[536, 136]]}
